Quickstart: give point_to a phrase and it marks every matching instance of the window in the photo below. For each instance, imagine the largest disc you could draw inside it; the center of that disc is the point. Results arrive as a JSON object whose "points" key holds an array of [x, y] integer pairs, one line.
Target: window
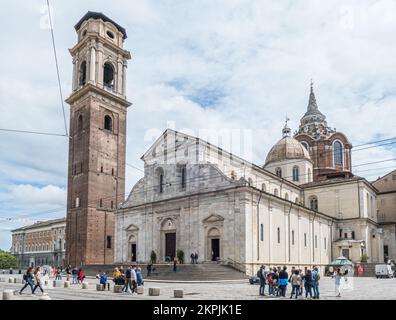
{"points": [[263, 187], [305, 239], [101, 168], [278, 235], [293, 237], [83, 73], [393, 177], [337, 150], [112, 171], [100, 203], [345, 235], [110, 34], [80, 123], [250, 182], [340, 233], [183, 176], [108, 123], [278, 172], [296, 173], [112, 204], [276, 192], [296, 200], [161, 183], [261, 232], [77, 202], [286, 196], [108, 76], [313, 203], [305, 145], [353, 234], [108, 242]]}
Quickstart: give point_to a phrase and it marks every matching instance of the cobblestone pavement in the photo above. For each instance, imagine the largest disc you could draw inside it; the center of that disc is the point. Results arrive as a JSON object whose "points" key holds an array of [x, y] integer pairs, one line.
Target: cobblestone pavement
{"points": [[355, 289]]}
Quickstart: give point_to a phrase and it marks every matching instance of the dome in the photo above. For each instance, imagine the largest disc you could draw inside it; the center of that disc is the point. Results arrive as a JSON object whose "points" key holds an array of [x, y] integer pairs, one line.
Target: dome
{"points": [[287, 148]]}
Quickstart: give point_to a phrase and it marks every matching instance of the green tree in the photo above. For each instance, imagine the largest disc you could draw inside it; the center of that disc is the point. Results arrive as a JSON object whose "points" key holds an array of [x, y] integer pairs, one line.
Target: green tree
{"points": [[180, 256], [364, 258], [153, 257], [7, 260]]}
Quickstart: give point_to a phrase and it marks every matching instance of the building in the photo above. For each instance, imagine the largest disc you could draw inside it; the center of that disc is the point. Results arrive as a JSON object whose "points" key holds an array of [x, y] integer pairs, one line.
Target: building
{"points": [[386, 205], [42, 243], [297, 209], [96, 170]]}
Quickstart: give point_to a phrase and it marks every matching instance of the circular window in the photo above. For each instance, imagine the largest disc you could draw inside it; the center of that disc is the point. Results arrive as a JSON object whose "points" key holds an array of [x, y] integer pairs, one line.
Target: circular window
{"points": [[110, 34]]}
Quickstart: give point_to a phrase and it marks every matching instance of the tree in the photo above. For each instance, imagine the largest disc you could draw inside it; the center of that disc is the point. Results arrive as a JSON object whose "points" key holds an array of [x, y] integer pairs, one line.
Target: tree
{"points": [[7, 260], [180, 256], [364, 258], [153, 257]]}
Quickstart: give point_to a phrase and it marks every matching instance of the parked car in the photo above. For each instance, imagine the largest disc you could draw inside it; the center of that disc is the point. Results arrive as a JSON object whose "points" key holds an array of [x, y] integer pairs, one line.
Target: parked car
{"points": [[383, 271], [254, 280]]}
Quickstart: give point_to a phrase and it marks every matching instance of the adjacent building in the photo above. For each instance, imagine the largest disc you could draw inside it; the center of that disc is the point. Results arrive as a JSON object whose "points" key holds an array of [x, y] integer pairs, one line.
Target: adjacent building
{"points": [[42, 243]]}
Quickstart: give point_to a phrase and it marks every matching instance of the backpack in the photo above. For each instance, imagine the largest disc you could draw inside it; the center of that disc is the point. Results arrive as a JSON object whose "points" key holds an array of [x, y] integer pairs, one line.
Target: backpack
{"points": [[25, 277]]}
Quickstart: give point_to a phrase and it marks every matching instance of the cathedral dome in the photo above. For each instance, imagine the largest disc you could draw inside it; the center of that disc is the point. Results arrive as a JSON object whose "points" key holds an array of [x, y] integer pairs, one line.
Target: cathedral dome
{"points": [[287, 148]]}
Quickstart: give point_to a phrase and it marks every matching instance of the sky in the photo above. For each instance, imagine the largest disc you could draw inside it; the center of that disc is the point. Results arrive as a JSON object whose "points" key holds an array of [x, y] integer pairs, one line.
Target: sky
{"points": [[196, 65]]}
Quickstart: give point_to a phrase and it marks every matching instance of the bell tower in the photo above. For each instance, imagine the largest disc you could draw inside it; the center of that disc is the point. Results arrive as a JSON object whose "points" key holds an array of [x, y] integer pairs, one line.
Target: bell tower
{"points": [[98, 109]]}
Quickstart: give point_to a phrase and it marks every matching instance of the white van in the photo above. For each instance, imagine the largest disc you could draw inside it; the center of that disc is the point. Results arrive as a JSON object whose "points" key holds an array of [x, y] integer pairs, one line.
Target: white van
{"points": [[383, 271]]}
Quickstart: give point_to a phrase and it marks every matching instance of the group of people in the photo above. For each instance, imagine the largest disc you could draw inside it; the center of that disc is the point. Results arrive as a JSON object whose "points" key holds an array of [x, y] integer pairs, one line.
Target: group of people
{"points": [[194, 258], [131, 279], [278, 279]]}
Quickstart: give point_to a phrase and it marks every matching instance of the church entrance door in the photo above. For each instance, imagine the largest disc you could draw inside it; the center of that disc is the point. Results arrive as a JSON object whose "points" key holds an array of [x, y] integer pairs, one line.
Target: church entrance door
{"points": [[170, 245], [215, 249], [133, 252], [345, 253]]}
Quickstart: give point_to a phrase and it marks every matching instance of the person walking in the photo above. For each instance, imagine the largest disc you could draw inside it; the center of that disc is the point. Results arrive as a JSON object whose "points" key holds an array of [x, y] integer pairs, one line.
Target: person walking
{"points": [[262, 276], [80, 276], [68, 272], [128, 281], [308, 284], [337, 276], [74, 275], [302, 275], [139, 277], [134, 279], [192, 256], [275, 281], [296, 282], [58, 274], [315, 282], [37, 279], [196, 258], [283, 281], [28, 277], [174, 264]]}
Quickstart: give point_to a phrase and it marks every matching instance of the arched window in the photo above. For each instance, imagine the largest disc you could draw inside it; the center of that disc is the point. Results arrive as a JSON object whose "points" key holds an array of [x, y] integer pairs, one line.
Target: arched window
{"points": [[250, 182], [80, 123], [183, 176], [83, 74], [286, 196], [296, 173], [293, 237], [276, 192], [108, 123], [337, 151], [313, 203], [108, 75], [296, 200], [160, 179], [278, 172], [305, 145], [278, 235], [263, 187]]}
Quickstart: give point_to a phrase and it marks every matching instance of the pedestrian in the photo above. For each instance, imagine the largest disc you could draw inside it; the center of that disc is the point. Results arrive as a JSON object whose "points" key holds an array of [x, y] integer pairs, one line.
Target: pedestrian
{"points": [[275, 281], [28, 277], [58, 274], [80, 275], [149, 268], [139, 277], [262, 276], [196, 257], [68, 272], [296, 283], [283, 281], [37, 279], [128, 281], [192, 258], [134, 280], [315, 282], [103, 281], [302, 275], [174, 264], [74, 275], [337, 276], [308, 284]]}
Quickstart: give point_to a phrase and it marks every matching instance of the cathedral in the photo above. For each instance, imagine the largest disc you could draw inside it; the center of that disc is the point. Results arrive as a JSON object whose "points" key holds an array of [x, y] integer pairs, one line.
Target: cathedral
{"points": [[302, 206]]}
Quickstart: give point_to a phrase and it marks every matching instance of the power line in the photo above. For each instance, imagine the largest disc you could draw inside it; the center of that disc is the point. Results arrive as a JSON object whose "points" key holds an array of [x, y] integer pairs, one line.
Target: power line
{"points": [[34, 132], [57, 67]]}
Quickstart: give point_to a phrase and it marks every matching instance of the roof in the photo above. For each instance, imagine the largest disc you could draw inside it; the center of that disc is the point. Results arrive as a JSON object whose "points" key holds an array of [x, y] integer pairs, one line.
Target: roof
{"points": [[41, 224], [287, 148], [97, 16], [331, 181]]}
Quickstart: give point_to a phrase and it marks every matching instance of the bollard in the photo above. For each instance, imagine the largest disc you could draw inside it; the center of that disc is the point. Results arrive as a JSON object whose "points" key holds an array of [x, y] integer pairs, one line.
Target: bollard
{"points": [[8, 294], [117, 288], [100, 287], [2, 280], [140, 290], [84, 285], [178, 293], [57, 283], [154, 291], [11, 280], [67, 284]]}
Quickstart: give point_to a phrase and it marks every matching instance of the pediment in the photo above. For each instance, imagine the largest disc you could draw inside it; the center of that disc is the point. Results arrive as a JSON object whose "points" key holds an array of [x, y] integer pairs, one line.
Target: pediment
{"points": [[213, 218], [132, 227]]}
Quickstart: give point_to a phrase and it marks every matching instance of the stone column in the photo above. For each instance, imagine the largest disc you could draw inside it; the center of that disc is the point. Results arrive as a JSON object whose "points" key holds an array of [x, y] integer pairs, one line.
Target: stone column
{"points": [[92, 69], [75, 75], [124, 72], [120, 72], [100, 65]]}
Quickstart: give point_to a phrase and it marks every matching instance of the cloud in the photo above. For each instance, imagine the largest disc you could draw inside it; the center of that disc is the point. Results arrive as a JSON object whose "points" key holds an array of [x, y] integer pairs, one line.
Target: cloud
{"points": [[200, 65]]}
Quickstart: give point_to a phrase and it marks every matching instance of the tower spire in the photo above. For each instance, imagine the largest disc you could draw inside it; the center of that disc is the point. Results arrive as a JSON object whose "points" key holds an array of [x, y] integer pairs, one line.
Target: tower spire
{"points": [[286, 130], [312, 105]]}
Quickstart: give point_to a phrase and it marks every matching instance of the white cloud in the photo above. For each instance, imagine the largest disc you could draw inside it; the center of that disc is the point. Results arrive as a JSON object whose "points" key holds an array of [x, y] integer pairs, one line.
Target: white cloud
{"points": [[255, 57]]}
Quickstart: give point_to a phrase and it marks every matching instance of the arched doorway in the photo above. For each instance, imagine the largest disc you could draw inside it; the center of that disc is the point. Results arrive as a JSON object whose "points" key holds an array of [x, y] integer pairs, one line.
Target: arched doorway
{"points": [[214, 244], [132, 248], [168, 235]]}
